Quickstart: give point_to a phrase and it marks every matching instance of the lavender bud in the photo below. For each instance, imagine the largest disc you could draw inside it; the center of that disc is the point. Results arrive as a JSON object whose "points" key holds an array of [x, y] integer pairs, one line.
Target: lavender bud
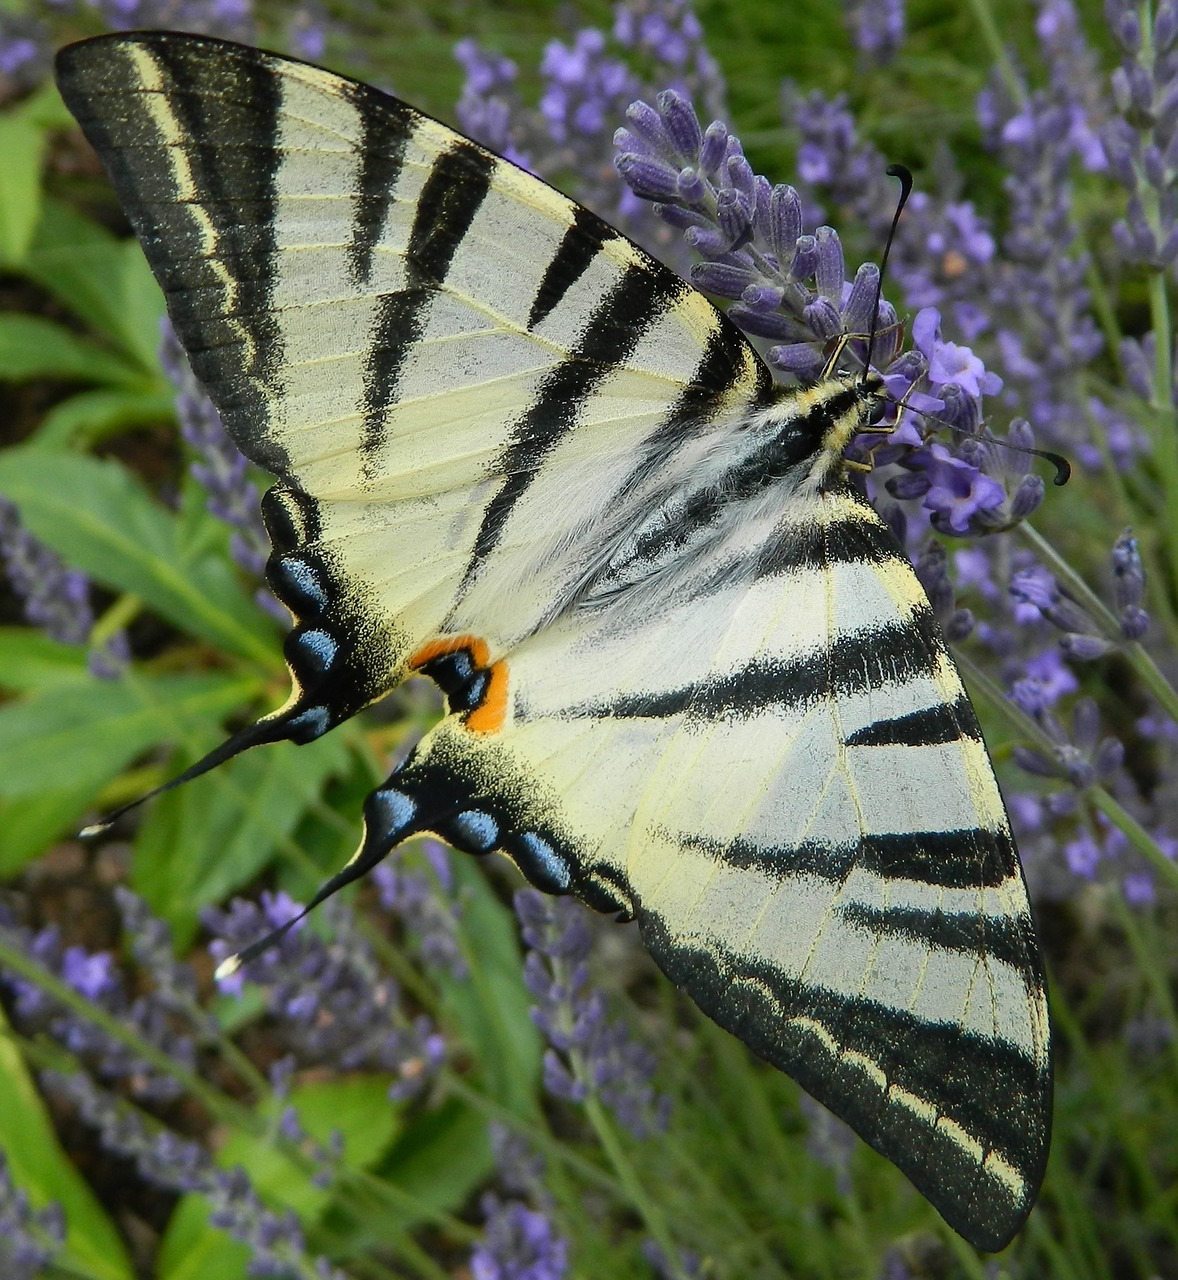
{"points": [[1032, 762], [676, 216], [1154, 166], [648, 125], [1134, 623], [722, 278], [1128, 571], [713, 148], [763, 297], [857, 314], [805, 259], [959, 625], [1165, 26], [692, 188], [775, 325], [733, 214], [648, 178], [1136, 367], [831, 270], [800, 359], [707, 242], [823, 318], [1084, 648], [1110, 755], [681, 124], [1027, 497], [785, 221], [741, 176]]}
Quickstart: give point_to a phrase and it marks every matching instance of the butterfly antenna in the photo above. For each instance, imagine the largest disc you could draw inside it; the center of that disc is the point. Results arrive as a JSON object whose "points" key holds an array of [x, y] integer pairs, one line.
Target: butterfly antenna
{"points": [[905, 176]]}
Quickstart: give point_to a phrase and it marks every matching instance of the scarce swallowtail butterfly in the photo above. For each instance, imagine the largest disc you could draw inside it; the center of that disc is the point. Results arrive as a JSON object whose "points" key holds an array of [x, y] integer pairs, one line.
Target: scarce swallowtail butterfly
{"points": [[691, 676]]}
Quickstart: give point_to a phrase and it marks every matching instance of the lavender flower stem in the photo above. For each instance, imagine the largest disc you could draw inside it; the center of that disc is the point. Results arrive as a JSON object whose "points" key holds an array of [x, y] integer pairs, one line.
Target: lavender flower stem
{"points": [[1097, 796], [1140, 660], [1011, 81], [1146, 951], [218, 1104], [1134, 832], [646, 1208]]}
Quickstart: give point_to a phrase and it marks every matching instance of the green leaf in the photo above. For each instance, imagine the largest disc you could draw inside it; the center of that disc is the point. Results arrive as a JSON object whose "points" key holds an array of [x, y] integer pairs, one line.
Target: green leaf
{"points": [[357, 1106], [40, 1168], [30, 660], [80, 735], [203, 841], [440, 1159], [99, 519], [90, 416], [103, 280], [31, 823], [34, 347], [21, 145], [492, 1006]]}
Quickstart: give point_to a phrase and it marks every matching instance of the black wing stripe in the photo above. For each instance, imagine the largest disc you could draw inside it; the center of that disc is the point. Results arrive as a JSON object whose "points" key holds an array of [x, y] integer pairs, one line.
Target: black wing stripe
{"points": [[457, 185], [857, 663], [944, 722], [974, 859], [1002, 937], [581, 243], [385, 132], [611, 334]]}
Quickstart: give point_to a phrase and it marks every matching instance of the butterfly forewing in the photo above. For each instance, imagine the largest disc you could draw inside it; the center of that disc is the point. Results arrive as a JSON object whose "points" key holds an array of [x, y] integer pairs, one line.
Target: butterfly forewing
{"points": [[691, 676]]}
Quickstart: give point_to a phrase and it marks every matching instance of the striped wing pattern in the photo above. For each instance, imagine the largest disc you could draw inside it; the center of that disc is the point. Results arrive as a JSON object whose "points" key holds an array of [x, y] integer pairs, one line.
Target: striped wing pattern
{"points": [[691, 676]]}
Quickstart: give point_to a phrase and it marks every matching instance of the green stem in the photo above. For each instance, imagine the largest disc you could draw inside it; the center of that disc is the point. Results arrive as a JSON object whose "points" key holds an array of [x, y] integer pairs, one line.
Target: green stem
{"points": [[1097, 796], [1080, 591], [997, 46], [646, 1208]]}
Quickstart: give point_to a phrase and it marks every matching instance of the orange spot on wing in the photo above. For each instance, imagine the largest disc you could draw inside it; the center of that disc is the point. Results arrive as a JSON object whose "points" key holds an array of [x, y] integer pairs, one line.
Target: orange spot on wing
{"points": [[489, 715], [491, 712], [476, 647]]}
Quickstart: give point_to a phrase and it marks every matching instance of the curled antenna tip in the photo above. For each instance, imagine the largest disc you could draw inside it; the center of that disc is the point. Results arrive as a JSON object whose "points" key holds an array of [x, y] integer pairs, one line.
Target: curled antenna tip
{"points": [[902, 172], [227, 968], [1063, 468], [93, 829]]}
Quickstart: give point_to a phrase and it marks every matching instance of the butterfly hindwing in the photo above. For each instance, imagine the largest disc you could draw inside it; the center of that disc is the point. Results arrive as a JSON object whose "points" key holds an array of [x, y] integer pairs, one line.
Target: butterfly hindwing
{"points": [[690, 675], [784, 781]]}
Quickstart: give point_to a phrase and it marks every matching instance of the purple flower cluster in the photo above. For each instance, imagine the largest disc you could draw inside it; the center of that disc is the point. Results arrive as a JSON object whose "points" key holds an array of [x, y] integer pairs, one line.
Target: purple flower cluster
{"points": [[219, 467], [26, 42], [332, 1002], [586, 87], [877, 28], [518, 1244], [29, 1238], [55, 597], [590, 1054], [97, 978], [1140, 139], [424, 899], [276, 1241]]}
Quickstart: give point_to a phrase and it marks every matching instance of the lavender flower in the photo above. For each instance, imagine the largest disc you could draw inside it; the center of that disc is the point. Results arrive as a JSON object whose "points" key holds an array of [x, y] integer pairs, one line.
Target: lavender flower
{"points": [[518, 1244], [220, 467], [590, 1054], [877, 28], [55, 597], [1082, 759], [1141, 140], [333, 1004], [96, 977], [30, 1238], [424, 899], [275, 1240]]}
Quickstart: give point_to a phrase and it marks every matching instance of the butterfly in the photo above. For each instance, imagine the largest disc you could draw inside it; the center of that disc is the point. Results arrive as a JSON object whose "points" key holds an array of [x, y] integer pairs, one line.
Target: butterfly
{"points": [[690, 675]]}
